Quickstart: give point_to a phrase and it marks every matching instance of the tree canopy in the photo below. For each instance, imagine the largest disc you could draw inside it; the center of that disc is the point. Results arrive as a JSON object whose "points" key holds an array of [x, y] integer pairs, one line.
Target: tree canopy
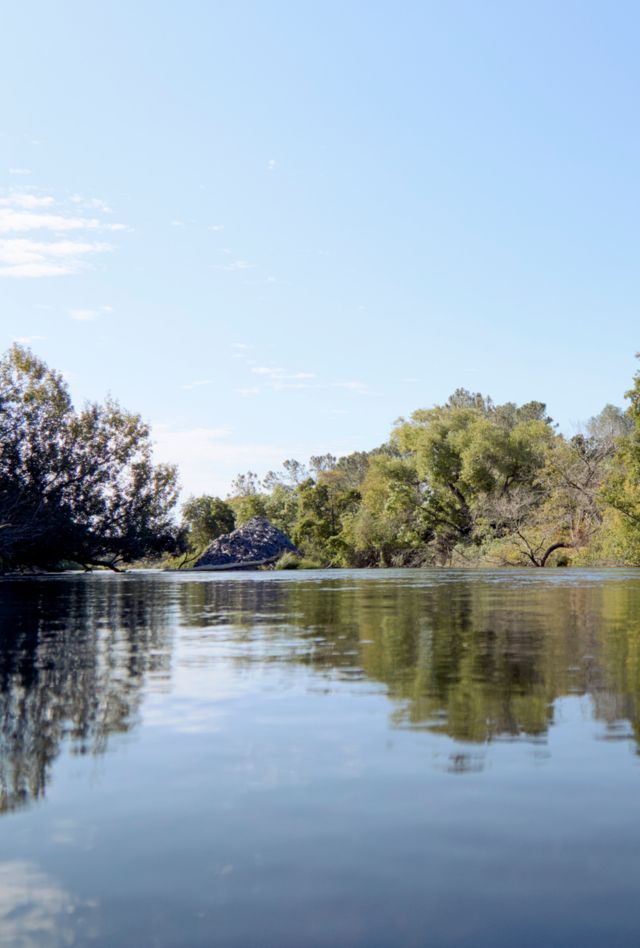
{"points": [[76, 485], [467, 482]]}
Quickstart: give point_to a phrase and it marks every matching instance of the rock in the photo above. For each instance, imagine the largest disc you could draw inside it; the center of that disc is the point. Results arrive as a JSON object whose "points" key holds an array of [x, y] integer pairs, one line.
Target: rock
{"points": [[256, 543]]}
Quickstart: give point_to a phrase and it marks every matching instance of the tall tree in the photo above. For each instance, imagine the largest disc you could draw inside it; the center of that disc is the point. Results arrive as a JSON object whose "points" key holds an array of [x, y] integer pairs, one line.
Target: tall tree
{"points": [[75, 485], [206, 518]]}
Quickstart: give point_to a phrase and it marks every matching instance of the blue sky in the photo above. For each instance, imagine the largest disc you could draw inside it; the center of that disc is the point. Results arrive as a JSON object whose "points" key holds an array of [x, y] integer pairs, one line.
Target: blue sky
{"points": [[274, 227]]}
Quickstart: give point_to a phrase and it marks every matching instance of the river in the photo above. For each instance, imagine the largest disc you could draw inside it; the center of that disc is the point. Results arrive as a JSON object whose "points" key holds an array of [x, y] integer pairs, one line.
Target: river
{"points": [[354, 758]]}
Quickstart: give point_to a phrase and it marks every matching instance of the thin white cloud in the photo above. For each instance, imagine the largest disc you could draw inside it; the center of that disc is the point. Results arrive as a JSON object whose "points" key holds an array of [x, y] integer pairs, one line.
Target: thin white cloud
{"points": [[96, 204], [84, 315], [14, 220], [360, 388], [248, 392], [20, 257], [209, 458], [216, 227], [278, 379], [36, 225], [177, 223], [19, 171], [280, 375], [265, 370], [27, 340], [25, 200], [236, 265], [271, 164]]}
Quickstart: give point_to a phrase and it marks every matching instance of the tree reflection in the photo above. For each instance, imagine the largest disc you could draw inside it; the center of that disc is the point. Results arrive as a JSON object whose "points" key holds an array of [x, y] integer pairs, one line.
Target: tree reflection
{"points": [[73, 658], [463, 655]]}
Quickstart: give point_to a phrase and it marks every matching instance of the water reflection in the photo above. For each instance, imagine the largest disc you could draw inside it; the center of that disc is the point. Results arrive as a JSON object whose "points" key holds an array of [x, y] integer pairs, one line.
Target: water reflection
{"points": [[470, 658], [462, 656], [74, 657]]}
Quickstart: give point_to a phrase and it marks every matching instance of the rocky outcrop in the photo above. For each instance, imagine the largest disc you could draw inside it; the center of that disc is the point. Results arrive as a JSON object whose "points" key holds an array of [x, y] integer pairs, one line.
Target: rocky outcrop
{"points": [[256, 543]]}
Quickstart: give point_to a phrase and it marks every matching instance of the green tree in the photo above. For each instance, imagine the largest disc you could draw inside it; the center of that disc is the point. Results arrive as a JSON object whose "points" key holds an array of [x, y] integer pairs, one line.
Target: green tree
{"points": [[76, 485], [468, 451], [621, 489], [205, 519]]}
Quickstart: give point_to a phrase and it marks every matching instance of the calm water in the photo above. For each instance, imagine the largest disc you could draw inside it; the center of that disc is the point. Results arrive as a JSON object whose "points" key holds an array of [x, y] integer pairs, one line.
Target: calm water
{"points": [[321, 759]]}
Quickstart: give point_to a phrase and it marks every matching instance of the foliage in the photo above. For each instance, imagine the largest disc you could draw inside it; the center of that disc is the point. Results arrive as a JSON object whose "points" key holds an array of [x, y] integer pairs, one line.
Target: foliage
{"points": [[290, 561], [205, 519], [469, 482], [75, 485], [622, 487]]}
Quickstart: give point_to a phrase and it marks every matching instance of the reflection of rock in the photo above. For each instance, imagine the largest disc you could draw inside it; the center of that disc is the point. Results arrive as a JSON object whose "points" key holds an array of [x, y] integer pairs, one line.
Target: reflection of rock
{"points": [[256, 543]]}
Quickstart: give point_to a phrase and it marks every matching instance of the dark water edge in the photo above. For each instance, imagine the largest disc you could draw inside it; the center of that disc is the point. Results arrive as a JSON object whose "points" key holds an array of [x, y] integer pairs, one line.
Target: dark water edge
{"points": [[386, 757]]}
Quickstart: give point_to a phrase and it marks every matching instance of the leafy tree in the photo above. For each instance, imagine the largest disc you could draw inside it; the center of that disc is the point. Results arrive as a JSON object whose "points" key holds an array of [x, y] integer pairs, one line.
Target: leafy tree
{"points": [[206, 518], [621, 489], [75, 485], [468, 451], [319, 527], [390, 524], [246, 501]]}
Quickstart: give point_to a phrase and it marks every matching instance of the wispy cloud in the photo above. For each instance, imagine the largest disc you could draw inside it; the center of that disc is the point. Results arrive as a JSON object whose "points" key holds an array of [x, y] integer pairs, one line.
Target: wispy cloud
{"points": [[236, 265], [26, 200], [271, 164], [84, 315], [360, 388], [27, 340], [278, 379], [31, 258], [210, 457], [96, 204], [17, 220], [19, 171], [248, 392], [49, 254], [280, 374], [216, 227]]}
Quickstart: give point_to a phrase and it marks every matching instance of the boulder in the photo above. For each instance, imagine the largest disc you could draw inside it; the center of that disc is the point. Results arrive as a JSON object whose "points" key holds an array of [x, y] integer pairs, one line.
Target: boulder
{"points": [[256, 543]]}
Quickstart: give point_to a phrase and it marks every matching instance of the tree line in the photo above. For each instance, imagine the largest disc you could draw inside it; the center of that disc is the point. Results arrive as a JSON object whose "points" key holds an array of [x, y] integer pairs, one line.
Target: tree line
{"points": [[468, 482]]}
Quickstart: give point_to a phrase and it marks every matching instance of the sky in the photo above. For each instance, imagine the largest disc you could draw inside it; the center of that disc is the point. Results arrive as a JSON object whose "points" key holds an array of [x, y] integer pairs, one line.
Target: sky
{"points": [[273, 228]]}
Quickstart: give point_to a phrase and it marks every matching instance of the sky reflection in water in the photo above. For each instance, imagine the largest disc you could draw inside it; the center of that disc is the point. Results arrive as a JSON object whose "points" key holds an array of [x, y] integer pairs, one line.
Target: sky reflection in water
{"points": [[382, 758]]}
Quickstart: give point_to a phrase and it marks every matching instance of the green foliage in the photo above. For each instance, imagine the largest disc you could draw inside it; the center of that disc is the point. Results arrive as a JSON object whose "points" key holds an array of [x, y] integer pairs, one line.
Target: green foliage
{"points": [[244, 508], [470, 452], [621, 489], [75, 485], [466, 483], [206, 518], [290, 561]]}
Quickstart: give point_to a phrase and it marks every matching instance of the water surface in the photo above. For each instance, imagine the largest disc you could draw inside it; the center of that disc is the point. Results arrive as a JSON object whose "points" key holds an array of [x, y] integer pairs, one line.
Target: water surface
{"points": [[381, 758]]}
